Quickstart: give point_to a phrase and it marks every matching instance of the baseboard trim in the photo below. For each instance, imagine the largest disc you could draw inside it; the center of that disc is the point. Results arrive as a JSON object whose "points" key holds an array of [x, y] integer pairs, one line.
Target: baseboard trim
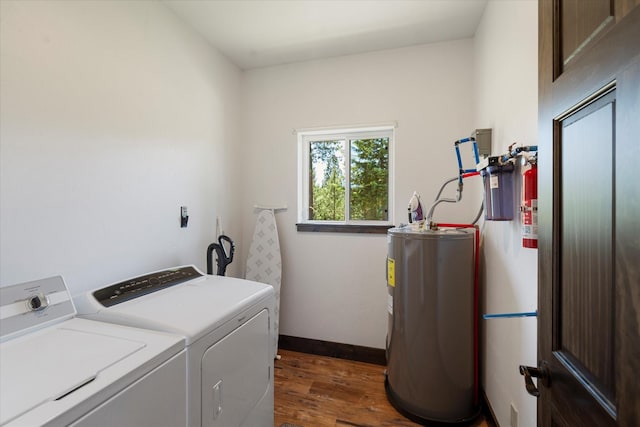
{"points": [[487, 410], [357, 353]]}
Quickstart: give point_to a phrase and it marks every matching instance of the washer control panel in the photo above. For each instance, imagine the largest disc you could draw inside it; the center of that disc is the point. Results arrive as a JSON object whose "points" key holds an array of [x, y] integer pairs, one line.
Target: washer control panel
{"points": [[31, 305], [143, 285]]}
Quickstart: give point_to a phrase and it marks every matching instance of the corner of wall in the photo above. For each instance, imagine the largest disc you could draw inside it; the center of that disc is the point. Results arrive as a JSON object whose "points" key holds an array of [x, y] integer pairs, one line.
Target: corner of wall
{"points": [[505, 99]]}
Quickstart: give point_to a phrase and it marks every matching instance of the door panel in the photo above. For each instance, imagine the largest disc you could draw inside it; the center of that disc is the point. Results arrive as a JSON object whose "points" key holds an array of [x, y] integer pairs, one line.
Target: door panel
{"points": [[589, 213], [585, 336], [579, 26]]}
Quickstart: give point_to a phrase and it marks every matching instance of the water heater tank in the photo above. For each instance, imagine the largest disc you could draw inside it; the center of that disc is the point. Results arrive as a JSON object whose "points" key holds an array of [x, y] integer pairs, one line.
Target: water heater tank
{"points": [[430, 339]]}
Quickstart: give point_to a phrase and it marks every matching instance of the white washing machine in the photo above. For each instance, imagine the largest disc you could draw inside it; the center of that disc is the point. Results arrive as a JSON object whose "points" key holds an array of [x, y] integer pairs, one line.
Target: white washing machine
{"points": [[60, 370], [227, 324]]}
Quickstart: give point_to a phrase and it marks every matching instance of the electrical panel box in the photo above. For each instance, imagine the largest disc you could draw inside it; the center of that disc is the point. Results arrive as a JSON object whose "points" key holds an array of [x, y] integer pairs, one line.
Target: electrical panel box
{"points": [[483, 141]]}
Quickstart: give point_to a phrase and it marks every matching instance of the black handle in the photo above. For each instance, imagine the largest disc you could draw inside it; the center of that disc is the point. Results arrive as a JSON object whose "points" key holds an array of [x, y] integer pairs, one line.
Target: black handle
{"points": [[541, 372], [227, 254], [224, 257]]}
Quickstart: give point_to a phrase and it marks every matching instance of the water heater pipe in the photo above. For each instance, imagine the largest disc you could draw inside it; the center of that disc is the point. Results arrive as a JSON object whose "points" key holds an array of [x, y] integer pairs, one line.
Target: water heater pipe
{"points": [[438, 200], [514, 152], [476, 290]]}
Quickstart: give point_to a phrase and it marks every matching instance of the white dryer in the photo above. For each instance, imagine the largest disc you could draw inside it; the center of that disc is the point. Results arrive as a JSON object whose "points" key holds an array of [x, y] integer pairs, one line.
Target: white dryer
{"points": [[60, 370], [227, 324]]}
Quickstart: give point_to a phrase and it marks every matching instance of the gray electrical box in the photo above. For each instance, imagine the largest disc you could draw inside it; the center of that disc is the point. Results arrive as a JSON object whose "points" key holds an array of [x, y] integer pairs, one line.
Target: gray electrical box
{"points": [[483, 141]]}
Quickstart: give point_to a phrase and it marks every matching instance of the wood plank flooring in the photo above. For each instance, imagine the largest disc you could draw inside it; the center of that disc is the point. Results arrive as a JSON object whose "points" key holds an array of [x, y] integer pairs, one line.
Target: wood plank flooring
{"points": [[318, 391]]}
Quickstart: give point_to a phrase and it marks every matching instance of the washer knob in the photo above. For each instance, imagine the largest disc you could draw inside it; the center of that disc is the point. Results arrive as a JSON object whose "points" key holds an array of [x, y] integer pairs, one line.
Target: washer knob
{"points": [[37, 302]]}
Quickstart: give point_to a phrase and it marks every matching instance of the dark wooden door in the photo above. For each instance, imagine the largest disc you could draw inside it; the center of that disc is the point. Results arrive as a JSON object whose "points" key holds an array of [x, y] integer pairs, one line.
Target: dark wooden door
{"points": [[589, 213]]}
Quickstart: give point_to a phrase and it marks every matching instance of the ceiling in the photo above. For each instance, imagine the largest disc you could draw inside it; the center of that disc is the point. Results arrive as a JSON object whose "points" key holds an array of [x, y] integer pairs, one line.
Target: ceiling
{"points": [[260, 33]]}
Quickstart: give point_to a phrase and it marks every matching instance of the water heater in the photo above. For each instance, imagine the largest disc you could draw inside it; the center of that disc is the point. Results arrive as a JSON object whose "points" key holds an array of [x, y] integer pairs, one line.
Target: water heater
{"points": [[431, 366]]}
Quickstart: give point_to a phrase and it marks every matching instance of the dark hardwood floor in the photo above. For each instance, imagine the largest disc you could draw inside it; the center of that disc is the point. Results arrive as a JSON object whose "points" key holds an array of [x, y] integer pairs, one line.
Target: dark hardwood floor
{"points": [[316, 391]]}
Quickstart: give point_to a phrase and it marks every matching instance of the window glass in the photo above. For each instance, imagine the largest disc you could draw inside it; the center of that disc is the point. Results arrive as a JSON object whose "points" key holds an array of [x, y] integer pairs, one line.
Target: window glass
{"points": [[327, 178], [369, 179], [346, 176]]}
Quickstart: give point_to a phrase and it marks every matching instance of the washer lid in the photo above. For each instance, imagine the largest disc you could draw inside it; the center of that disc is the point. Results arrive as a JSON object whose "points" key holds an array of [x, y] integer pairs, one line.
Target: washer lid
{"points": [[191, 309], [47, 365]]}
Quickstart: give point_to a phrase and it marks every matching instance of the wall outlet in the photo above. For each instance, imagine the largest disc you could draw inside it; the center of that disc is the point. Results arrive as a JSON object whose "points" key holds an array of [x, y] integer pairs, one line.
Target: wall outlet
{"points": [[514, 416], [184, 217]]}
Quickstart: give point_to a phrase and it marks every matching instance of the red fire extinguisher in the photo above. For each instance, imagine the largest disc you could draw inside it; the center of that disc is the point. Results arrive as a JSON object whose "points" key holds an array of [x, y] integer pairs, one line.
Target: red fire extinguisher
{"points": [[529, 207]]}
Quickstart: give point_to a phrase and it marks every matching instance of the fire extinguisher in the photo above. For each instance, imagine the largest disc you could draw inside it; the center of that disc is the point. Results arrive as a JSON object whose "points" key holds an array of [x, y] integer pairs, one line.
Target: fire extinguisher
{"points": [[529, 206]]}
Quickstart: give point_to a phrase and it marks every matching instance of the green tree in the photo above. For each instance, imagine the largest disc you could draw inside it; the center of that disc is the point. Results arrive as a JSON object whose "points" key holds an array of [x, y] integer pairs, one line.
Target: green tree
{"points": [[329, 198], [328, 194], [369, 173]]}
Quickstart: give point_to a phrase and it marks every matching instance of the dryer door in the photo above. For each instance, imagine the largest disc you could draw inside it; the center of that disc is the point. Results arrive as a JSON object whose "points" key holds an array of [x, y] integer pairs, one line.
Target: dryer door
{"points": [[237, 382]]}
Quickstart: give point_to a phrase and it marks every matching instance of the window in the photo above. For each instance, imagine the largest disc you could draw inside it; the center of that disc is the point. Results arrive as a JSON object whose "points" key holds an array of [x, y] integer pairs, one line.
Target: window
{"points": [[345, 178]]}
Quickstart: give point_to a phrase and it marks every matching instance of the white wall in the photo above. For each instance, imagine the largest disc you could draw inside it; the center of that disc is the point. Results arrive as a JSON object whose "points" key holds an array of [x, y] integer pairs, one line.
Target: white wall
{"points": [[334, 285], [506, 93], [113, 115]]}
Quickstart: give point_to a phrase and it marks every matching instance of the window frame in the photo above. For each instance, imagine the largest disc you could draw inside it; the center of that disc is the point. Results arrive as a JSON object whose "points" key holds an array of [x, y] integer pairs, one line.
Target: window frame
{"points": [[347, 134]]}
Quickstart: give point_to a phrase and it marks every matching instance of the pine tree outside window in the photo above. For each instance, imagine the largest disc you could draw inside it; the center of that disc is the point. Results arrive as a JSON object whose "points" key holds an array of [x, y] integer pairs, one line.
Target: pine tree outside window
{"points": [[345, 176]]}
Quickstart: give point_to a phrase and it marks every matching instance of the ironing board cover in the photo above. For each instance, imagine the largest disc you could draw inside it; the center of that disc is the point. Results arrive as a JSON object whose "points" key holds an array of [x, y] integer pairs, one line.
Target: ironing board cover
{"points": [[264, 263]]}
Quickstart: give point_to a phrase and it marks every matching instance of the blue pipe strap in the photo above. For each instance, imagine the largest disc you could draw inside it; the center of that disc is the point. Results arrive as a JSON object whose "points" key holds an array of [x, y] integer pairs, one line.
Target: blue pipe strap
{"points": [[510, 315]]}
